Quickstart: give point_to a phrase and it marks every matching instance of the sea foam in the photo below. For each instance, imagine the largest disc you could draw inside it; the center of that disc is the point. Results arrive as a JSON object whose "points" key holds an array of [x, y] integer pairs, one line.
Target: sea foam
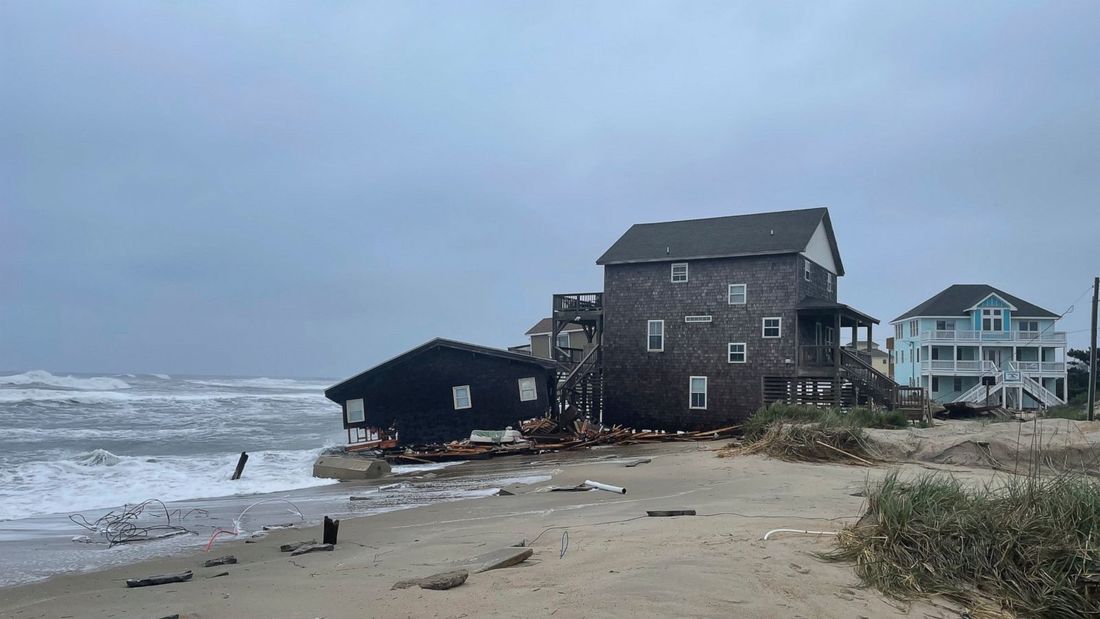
{"points": [[42, 377]]}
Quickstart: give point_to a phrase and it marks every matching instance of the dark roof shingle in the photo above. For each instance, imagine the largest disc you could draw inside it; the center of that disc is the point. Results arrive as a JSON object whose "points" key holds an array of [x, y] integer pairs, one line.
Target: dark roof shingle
{"points": [[781, 232], [957, 298]]}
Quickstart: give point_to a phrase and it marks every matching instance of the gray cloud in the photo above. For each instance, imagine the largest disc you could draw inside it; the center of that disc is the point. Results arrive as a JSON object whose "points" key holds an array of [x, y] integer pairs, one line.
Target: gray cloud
{"points": [[294, 189]]}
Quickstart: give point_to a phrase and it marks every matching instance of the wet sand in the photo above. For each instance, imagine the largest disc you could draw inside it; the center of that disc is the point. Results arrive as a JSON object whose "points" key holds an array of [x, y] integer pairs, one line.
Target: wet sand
{"points": [[617, 563]]}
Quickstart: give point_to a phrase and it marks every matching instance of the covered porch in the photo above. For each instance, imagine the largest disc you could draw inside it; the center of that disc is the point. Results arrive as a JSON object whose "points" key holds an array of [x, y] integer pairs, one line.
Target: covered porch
{"points": [[821, 324]]}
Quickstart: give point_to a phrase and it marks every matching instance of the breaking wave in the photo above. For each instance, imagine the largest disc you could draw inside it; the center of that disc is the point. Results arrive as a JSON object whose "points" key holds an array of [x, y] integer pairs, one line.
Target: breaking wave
{"points": [[42, 377], [101, 479], [107, 397], [261, 383]]}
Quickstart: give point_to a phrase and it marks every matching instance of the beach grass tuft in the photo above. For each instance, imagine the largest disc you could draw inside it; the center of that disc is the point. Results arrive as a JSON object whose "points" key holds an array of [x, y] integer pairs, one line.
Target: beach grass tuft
{"points": [[1027, 546]]}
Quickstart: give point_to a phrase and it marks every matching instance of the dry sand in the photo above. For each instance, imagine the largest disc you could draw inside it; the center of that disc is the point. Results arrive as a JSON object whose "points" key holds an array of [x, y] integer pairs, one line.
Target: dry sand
{"points": [[714, 566]]}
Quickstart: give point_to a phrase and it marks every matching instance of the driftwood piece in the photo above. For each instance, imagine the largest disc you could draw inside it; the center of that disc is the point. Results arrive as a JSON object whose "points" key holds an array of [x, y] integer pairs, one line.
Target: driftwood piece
{"points": [[666, 513], [637, 462], [314, 548], [291, 547], [226, 560], [161, 579], [240, 467], [437, 582], [505, 557]]}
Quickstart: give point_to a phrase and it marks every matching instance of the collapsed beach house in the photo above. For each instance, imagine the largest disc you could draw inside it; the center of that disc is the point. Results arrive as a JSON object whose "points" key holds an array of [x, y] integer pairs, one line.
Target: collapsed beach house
{"points": [[699, 324]]}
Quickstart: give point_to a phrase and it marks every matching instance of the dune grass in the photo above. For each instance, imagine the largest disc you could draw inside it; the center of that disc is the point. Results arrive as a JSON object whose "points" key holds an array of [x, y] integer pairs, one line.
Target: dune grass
{"points": [[1029, 546], [757, 425]]}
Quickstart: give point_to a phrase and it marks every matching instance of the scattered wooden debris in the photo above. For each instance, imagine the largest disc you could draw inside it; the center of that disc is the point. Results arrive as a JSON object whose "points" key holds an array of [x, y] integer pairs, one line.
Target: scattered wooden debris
{"points": [[291, 547], [668, 513], [543, 434], [505, 557], [218, 575], [226, 560], [635, 463], [162, 579], [314, 548], [437, 582]]}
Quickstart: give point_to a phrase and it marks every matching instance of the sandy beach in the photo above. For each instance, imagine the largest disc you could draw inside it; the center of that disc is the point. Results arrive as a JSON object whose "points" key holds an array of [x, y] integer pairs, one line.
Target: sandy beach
{"points": [[617, 562]]}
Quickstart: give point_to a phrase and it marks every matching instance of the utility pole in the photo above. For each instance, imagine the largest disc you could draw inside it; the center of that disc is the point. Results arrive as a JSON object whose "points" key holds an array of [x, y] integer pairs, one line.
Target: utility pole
{"points": [[1092, 348]]}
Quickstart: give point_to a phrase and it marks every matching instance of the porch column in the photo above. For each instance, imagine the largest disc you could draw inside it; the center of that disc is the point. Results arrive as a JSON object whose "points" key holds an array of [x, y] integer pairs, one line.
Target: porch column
{"points": [[836, 360], [855, 335], [869, 340]]}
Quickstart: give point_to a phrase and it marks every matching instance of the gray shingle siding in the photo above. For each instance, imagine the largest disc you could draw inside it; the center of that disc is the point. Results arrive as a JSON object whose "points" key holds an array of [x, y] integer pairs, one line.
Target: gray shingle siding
{"points": [[650, 389]]}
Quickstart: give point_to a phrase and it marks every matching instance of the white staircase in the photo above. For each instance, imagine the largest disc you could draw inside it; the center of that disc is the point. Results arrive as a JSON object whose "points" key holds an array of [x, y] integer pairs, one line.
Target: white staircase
{"points": [[977, 394]]}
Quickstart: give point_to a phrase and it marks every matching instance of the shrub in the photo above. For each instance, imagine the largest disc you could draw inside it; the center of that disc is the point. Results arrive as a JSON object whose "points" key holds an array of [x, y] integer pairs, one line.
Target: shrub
{"points": [[1028, 546]]}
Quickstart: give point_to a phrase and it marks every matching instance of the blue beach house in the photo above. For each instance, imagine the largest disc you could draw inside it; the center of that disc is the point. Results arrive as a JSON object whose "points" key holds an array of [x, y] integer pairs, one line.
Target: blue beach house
{"points": [[971, 342]]}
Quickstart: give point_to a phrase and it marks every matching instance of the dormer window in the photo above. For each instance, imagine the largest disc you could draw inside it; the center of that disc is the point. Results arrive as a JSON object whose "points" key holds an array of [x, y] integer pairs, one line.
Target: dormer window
{"points": [[992, 320], [679, 272], [806, 270]]}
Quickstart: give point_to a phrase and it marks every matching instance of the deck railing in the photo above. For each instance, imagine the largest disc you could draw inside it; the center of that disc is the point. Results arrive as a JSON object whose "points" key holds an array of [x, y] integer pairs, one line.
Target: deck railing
{"points": [[579, 302], [985, 367], [1049, 338]]}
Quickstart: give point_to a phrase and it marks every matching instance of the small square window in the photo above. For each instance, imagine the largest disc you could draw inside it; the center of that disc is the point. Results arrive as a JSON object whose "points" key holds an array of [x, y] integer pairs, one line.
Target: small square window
{"points": [[698, 398], [773, 327], [806, 270], [656, 340], [527, 390], [679, 272], [461, 396], [737, 353], [738, 294], [355, 411]]}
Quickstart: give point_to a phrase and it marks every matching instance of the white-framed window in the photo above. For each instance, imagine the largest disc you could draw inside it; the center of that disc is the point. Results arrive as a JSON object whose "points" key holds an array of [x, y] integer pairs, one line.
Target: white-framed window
{"points": [[945, 325], [737, 353], [527, 390], [697, 319], [679, 272], [806, 270], [829, 281], [461, 396], [738, 294], [914, 327], [563, 340], [898, 332], [698, 387], [356, 412], [655, 342], [773, 327], [992, 320], [1029, 325]]}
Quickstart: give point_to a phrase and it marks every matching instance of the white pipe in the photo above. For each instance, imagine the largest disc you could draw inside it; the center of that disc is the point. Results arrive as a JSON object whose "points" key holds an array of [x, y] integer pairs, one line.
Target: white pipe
{"points": [[798, 531], [599, 486]]}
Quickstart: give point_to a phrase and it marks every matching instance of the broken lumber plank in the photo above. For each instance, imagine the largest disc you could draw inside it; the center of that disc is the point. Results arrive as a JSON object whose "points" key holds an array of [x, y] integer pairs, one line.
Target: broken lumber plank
{"points": [[161, 579]]}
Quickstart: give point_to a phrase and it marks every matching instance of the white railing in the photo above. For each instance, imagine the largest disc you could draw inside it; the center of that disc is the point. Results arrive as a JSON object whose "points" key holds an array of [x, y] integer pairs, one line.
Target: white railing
{"points": [[1041, 393], [1036, 367], [961, 367], [1049, 338]]}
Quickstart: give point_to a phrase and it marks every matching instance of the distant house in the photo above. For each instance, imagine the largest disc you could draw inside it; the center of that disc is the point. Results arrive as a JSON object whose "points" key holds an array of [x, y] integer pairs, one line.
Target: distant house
{"points": [[974, 340], [878, 358], [571, 341], [442, 390], [702, 321]]}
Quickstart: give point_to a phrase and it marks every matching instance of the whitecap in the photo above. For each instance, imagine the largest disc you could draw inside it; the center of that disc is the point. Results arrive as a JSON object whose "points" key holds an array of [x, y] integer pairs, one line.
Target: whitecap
{"points": [[42, 377], [261, 383]]}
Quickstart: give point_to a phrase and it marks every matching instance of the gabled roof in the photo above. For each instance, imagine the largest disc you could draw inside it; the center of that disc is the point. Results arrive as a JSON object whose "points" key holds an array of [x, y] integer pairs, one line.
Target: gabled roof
{"points": [[957, 299], [781, 232], [439, 342], [546, 325]]}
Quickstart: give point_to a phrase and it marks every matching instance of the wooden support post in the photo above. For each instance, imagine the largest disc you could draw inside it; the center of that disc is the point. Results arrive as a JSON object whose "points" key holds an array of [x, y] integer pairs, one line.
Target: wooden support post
{"points": [[240, 466], [1092, 349], [331, 529]]}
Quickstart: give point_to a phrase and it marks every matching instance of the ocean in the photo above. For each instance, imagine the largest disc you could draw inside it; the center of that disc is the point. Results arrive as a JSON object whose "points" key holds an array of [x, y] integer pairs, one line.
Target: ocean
{"points": [[79, 446]]}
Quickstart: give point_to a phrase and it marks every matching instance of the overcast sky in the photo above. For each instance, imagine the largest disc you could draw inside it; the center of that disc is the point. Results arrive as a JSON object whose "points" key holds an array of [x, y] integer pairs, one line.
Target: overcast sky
{"points": [[308, 188]]}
